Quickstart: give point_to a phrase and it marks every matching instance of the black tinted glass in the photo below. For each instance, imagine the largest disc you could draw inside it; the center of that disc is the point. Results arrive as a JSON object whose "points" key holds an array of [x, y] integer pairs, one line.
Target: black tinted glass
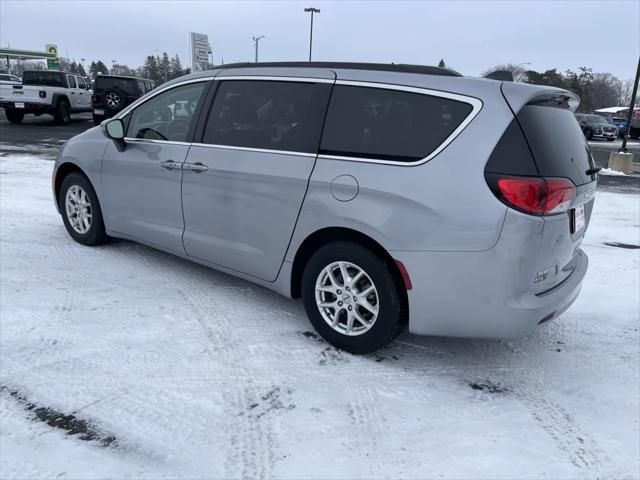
{"points": [[128, 86], [388, 124], [274, 115], [557, 142], [44, 78]]}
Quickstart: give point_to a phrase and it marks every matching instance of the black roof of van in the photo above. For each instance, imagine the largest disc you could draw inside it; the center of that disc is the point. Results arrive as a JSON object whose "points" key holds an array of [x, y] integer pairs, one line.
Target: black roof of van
{"points": [[383, 67]]}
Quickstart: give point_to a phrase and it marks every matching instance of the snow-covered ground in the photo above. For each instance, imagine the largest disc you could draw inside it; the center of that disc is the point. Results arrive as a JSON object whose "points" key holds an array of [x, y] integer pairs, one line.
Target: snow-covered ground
{"points": [[178, 371]]}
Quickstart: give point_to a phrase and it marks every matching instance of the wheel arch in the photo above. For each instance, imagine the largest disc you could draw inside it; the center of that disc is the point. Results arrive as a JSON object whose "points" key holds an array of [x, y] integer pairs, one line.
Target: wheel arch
{"points": [[63, 172], [58, 97], [327, 235]]}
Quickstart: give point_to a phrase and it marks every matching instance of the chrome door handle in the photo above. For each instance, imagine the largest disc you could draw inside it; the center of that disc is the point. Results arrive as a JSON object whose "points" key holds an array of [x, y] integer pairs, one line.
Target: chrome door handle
{"points": [[171, 165], [196, 167]]}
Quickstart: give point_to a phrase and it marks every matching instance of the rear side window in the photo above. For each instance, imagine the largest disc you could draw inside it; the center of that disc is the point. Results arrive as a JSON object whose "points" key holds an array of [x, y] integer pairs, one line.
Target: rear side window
{"points": [[128, 86], [273, 115], [388, 124], [44, 78], [557, 143]]}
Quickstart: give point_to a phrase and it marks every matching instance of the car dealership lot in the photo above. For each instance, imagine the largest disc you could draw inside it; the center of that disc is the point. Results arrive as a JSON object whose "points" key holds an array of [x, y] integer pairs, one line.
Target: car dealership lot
{"points": [[169, 369]]}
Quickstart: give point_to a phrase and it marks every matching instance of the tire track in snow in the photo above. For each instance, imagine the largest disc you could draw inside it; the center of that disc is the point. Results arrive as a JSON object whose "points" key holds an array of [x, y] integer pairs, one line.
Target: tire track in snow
{"points": [[582, 450]]}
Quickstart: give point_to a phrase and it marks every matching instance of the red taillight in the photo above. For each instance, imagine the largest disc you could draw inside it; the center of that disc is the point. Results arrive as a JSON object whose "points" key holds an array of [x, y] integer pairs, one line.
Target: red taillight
{"points": [[94, 98], [538, 196], [42, 94]]}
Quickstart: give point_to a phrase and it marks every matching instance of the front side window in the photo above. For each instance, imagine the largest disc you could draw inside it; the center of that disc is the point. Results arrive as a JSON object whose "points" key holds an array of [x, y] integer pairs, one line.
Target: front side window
{"points": [[167, 116], [72, 81], [384, 124], [81, 83], [272, 115]]}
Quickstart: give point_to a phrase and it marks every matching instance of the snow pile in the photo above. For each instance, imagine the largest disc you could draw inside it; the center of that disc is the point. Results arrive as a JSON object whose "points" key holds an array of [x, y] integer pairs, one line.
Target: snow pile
{"points": [[196, 374], [611, 172]]}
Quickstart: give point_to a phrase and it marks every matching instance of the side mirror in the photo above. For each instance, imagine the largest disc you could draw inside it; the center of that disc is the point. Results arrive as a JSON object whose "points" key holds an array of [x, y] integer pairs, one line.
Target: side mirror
{"points": [[115, 129]]}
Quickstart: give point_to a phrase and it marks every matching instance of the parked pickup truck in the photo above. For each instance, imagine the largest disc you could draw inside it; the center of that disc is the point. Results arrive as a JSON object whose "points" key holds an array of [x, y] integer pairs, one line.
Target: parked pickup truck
{"points": [[46, 91]]}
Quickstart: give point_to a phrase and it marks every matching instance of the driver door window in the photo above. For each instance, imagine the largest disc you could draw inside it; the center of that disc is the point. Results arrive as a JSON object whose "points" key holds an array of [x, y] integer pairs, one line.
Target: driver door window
{"points": [[167, 116]]}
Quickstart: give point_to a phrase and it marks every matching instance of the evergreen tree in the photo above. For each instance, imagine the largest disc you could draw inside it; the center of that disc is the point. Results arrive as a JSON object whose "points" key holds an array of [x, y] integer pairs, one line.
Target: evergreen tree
{"points": [[151, 68], [441, 63], [98, 67], [81, 70], [73, 68], [164, 66], [175, 68]]}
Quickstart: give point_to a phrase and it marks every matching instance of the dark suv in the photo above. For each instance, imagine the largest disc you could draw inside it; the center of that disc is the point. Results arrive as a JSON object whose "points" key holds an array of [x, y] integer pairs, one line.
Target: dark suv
{"points": [[597, 126], [112, 93]]}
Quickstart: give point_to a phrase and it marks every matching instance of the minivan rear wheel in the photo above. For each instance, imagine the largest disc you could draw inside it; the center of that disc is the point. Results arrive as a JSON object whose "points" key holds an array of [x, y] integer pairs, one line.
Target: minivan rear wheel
{"points": [[351, 297]]}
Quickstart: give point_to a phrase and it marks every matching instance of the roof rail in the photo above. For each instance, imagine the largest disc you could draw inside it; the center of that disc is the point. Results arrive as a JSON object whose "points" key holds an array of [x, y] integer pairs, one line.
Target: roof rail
{"points": [[383, 67]]}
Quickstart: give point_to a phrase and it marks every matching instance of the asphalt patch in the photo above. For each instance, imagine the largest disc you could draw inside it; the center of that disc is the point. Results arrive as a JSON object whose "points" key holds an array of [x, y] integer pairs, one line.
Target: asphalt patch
{"points": [[489, 387], [56, 419]]}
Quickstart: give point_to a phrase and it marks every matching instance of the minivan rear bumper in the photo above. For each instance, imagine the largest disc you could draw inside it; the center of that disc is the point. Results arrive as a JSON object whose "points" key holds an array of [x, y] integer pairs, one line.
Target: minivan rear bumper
{"points": [[465, 294]]}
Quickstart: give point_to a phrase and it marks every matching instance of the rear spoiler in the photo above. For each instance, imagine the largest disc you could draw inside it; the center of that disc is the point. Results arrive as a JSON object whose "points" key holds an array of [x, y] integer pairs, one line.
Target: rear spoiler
{"points": [[502, 75], [519, 94]]}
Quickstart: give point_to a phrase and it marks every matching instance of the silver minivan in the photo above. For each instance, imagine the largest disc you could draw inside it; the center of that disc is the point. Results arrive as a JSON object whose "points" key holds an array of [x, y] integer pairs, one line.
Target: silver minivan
{"points": [[384, 196]]}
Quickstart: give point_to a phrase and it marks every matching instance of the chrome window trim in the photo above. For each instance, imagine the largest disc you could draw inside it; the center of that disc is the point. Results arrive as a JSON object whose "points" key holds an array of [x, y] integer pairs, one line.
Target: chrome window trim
{"points": [[253, 149], [475, 103], [151, 140]]}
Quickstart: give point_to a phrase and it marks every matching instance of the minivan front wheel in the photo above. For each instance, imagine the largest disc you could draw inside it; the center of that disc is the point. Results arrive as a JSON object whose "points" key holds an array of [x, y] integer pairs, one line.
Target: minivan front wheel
{"points": [[351, 298], [80, 210]]}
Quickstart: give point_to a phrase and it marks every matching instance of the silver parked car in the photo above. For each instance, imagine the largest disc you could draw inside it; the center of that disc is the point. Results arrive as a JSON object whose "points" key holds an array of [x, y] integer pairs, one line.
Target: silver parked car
{"points": [[383, 195]]}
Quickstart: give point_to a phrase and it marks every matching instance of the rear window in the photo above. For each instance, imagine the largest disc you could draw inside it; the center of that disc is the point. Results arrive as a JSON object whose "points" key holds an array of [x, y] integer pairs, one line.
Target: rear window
{"points": [[44, 78], [388, 124], [128, 85], [557, 143]]}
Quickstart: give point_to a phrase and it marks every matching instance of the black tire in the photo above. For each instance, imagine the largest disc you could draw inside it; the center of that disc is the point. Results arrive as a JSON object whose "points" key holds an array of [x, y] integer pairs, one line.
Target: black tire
{"points": [[588, 134], [14, 116], [390, 314], [62, 113], [96, 234], [610, 139], [97, 119]]}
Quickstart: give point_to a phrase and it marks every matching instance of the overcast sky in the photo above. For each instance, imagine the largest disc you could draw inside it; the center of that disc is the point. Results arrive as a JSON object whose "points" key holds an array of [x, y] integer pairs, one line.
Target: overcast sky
{"points": [[470, 35]]}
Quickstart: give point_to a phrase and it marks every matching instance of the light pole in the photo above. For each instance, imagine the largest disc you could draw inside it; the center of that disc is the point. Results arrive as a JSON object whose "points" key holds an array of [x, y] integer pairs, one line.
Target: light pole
{"points": [[257, 39], [312, 11]]}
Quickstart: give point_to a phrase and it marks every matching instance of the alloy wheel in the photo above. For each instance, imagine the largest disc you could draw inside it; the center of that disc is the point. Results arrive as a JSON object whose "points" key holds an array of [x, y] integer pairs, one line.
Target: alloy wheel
{"points": [[347, 298], [78, 209]]}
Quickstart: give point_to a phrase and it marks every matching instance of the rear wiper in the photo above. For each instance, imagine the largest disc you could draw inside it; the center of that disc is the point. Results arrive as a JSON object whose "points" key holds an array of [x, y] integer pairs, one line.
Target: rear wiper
{"points": [[593, 171]]}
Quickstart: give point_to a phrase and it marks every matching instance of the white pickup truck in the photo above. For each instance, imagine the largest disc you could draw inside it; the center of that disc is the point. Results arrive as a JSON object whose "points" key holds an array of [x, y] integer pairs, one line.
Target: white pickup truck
{"points": [[46, 91]]}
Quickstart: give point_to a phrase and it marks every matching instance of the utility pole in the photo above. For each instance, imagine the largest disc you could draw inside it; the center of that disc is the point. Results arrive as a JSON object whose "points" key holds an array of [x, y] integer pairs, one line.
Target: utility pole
{"points": [[312, 11], [622, 160], [631, 108], [257, 39]]}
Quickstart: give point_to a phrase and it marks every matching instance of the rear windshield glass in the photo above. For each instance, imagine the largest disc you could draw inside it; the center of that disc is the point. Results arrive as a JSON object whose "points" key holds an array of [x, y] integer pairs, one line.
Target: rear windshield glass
{"points": [[50, 79], [557, 142], [127, 85], [388, 124]]}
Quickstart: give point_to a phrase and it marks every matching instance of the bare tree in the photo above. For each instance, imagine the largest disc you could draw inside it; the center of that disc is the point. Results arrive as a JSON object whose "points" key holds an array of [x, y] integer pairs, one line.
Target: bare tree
{"points": [[624, 95]]}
